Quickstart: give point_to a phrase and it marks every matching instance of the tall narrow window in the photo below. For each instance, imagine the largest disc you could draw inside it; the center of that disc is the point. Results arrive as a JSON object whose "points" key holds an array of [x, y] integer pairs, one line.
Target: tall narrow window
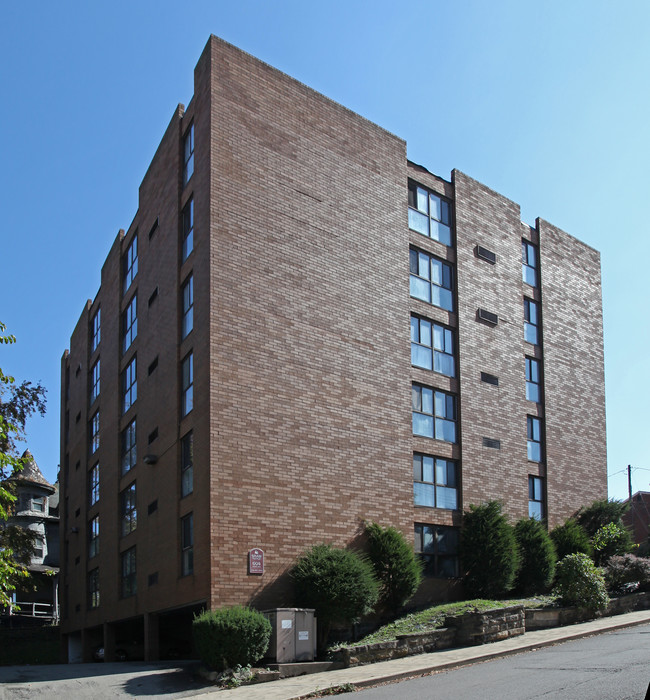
{"points": [[432, 346], [128, 510], [94, 433], [188, 154], [93, 485], [93, 588], [532, 380], [187, 464], [535, 498], [130, 323], [431, 280], [93, 537], [129, 386], [188, 229], [129, 448], [437, 548], [434, 413], [94, 382], [434, 482], [429, 214], [187, 544], [529, 263], [187, 396], [188, 306], [130, 263], [96, 330], [534, 439], [128, 578], [531, 321]]}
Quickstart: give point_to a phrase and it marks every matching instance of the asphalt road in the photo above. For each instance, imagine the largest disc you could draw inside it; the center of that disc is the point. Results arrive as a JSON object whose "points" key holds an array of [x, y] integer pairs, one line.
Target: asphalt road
{"points": [[612, 666]]}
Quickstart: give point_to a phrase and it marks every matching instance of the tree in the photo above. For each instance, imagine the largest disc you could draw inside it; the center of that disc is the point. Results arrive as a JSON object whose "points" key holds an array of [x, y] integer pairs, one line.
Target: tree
{"points": [[600, 513], [570, 538], [488, 551], [610, 540], [537, 557], [17, 403], [398, 571], [338, 583], [579, 582]]}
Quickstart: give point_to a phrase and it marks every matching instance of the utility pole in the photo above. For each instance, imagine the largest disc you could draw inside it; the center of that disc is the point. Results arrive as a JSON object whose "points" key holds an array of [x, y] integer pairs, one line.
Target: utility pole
{"points": [[629, 482]]}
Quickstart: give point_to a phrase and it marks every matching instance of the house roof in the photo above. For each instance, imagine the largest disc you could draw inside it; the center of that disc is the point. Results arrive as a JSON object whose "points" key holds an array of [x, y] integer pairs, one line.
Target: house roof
{"points": [[31, 474]]}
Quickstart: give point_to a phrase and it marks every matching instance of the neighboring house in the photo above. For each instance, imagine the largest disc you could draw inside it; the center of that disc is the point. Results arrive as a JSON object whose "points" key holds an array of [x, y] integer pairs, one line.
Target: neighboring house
{"points": [[301, 330], [37, 510], [637, 518]]}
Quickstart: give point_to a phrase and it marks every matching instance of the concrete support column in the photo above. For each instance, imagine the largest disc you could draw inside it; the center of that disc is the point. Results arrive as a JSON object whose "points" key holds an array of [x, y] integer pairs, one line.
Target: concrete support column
{"points": [[109, 642], [151, 637], [86, 646]]}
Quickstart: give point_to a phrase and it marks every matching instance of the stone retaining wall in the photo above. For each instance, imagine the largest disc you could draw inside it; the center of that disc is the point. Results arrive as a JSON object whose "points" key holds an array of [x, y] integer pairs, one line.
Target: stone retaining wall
{"points": [[490, 626]]}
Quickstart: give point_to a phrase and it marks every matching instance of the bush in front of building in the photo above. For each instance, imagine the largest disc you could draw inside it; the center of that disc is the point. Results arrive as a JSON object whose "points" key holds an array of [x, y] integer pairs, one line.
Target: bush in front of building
{"points": [[228, 637], [396, 567], [625, 573], [579, 582], [599, 513], [571, 538], [538, 558], [488, 551], [612, 539], [339, 583]]}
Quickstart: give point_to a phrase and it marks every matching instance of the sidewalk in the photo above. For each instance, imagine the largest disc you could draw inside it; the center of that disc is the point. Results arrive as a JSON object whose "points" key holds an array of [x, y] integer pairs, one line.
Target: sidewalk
{"points": [[360, 676]]}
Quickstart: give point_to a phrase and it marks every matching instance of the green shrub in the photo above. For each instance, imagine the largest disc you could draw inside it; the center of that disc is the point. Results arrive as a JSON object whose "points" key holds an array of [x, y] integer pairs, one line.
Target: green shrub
{"points": [[610, 540], [229, 637], [570, 538], [537, 553], [599, 513], [488, 551], [338, 583], [396, 567], [625, 570], [578, 582]]}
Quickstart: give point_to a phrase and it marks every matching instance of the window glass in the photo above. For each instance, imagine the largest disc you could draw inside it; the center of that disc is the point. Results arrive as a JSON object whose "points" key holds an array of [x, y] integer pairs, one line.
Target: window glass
{"points": [[531, 321], [533, 392], [434, 482], [187, 397], [431, 280], [529, 263], [130, 323], [429, 214], [130, 263], [188, 307], [437, 547], [129, 386], [187, 464], [188, 154], [188, 229], [129, 447], [534, 439], [427, 422]]}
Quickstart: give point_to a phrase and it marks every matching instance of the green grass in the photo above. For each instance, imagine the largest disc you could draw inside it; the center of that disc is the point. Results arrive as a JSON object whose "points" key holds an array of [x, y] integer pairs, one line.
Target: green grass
{"points": [[433, 618]]}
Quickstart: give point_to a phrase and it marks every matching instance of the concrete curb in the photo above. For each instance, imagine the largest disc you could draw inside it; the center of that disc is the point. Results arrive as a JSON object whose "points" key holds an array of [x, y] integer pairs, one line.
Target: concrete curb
{"points": [[301, 687]]}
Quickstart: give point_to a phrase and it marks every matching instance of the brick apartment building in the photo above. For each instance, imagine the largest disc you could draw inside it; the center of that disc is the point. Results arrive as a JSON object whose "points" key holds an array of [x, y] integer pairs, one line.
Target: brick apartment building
{"points": [[244, 377]]}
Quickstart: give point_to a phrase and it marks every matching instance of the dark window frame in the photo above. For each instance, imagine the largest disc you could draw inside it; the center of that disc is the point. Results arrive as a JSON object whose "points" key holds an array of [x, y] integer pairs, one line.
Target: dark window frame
{"points": [[429, 492], [424, 270]]}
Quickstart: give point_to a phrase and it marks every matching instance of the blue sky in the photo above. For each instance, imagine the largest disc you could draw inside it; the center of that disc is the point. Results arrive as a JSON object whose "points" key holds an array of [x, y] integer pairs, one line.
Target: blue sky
{"points": [[547, 103]]}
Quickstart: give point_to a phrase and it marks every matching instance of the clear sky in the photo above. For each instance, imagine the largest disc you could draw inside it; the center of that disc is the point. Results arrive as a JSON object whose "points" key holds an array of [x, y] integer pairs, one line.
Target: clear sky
{"points": [[546, 102]]}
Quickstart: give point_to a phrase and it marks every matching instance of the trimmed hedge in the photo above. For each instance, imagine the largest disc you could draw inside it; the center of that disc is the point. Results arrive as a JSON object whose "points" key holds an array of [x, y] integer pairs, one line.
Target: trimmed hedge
{"points": [[538, 557], [228, 637]]}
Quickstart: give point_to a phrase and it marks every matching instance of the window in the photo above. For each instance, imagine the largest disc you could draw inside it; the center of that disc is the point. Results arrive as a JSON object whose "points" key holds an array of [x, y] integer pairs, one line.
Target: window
{"points": [[130, 263], [130, 323], [93, 485], [532, 380], [434, 482], [37, 551], [129, 450], [94, 382], [93, 537], [529, 263], [128, 579], [129, 386], [429, 214], [434, 413], [535, 498], [94, 433], [188, 154], [437, 548], [531, 321], [187, 544], [187, 464], [188, 306], [431, 280], [187, 398], [38, 504], [96, 326], [93, 588], [188, 229], [534, 439], [432, 346], [128, 510]]}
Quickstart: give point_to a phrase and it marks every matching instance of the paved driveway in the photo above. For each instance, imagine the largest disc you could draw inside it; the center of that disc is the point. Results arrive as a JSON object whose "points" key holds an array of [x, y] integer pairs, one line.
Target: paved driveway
{"points": [[97, 681]]}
